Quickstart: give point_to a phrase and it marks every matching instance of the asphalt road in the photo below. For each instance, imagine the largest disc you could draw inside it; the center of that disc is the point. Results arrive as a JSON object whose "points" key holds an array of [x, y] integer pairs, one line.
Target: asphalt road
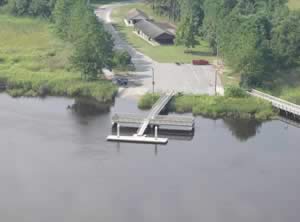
{"points": [[167, 76]]}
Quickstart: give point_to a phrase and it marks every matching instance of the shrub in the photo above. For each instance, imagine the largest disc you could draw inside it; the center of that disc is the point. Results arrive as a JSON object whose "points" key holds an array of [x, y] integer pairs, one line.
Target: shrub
{"points": [[148, 100], [121, 60], [235, 92], [218, 106]]}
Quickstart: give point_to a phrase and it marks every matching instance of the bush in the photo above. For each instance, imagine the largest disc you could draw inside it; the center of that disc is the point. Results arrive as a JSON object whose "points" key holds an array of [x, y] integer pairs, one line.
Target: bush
{"points": [[148, 100], [235, 92], [218, 106], [121, 60]]}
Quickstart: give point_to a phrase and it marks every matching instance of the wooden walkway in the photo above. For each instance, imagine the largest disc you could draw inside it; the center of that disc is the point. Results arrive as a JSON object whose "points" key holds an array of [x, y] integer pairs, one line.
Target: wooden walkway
{"points": [[277, 102], [156, 109]]}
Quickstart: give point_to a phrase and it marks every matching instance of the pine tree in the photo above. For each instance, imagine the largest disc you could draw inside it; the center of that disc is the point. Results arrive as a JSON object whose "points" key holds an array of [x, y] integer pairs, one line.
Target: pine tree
{"points": [[61, 17], [186, 33], [93, 48]]}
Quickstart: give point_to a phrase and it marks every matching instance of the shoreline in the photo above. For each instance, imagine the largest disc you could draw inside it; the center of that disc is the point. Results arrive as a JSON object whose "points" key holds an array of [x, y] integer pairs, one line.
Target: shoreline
{"points": [[90, 106]]}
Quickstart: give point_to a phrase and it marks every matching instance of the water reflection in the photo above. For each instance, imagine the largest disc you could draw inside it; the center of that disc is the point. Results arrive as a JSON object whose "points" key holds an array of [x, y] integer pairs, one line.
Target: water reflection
{"points": [[87, 107], [243, 129]]}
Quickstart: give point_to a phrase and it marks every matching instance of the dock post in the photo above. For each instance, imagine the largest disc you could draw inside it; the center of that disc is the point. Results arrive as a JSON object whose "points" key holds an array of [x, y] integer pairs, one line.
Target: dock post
{"points": [[118, 130], [155, 132]]}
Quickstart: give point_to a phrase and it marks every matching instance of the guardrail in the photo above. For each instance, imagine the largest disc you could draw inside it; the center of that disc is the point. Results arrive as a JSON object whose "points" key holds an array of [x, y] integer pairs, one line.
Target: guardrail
{"points": [[277, 102]]}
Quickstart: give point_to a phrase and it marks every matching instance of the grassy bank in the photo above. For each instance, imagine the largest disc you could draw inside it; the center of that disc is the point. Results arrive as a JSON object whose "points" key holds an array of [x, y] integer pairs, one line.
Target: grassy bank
{"points": [[217, 106], [33, 62], [170, 53]]}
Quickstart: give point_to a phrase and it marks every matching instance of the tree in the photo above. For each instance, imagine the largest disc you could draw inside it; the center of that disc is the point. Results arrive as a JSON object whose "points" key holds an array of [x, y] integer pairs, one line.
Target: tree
{"points": [[31, 7], [121, 59], [93, 49], [61, 17], [186, 33], [286, 40], [3, 2], [19, 7], [41, 8]]}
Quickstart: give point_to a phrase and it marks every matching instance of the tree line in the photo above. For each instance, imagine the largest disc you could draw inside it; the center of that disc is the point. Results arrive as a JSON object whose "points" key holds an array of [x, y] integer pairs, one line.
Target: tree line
{"points": [[74, 21], [255, 37]]}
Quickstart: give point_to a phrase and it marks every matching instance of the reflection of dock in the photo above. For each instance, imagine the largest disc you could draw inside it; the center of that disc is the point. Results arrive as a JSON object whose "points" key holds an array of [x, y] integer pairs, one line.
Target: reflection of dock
{"points": [[154, 120], [289, 121]]}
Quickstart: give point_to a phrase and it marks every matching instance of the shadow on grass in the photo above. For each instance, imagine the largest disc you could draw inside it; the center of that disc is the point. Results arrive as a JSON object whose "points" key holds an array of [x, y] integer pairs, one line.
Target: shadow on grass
{"points": [[104, 1], [199, 53]]}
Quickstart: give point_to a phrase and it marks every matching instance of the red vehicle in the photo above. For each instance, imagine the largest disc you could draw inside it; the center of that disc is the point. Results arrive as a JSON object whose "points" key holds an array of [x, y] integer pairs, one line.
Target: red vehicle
{"points": [[199, 62]]}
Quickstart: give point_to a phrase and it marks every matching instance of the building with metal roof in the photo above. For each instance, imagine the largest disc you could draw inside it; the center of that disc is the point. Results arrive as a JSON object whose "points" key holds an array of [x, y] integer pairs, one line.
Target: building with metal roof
{"points": [[152, 32], [134, 16]]}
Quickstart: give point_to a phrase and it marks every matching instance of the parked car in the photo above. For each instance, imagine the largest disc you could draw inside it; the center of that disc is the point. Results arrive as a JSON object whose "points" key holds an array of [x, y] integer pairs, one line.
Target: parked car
{"points": [[121, 81], [200, 62]]}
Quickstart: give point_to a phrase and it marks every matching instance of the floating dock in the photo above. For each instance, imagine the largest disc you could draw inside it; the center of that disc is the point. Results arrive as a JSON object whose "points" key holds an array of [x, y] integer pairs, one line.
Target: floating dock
{"points": [[152, 120], [166, 122], [137, 139]]}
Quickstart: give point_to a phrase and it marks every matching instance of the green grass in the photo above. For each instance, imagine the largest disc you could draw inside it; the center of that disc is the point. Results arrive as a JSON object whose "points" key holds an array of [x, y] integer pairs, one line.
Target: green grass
{"points": [[286, 85], [148, 100], [294, 4], [34, 62], [218, 106], [170, 53]]}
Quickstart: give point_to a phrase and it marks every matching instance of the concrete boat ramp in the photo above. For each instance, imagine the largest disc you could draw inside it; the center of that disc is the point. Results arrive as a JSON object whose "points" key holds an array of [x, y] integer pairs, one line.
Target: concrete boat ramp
{"points": [[153, 120]]}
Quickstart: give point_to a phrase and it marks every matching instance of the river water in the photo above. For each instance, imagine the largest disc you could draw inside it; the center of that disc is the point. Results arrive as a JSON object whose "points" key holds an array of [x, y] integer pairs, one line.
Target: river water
{"points": [[56, 166]]}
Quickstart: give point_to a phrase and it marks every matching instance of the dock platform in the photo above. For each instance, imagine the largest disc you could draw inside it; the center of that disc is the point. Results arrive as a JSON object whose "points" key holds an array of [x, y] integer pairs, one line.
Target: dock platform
{"points": [[137, 139], [166, 122], [154, 120]]}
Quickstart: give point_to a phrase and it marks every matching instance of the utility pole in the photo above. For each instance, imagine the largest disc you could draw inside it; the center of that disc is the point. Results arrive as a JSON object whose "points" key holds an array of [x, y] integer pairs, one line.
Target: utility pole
{"points": [[216, 81], [153, 83], [216, 73]]}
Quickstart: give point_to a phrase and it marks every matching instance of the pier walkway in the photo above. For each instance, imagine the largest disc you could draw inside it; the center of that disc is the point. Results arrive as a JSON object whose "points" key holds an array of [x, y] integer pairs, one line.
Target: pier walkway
{"points": [[156, 109], [277, 102]]}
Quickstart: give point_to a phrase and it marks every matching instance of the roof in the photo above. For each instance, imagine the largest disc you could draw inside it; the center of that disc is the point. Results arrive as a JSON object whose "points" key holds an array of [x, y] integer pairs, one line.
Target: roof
{"points": [[151, 29], [136, 14]]}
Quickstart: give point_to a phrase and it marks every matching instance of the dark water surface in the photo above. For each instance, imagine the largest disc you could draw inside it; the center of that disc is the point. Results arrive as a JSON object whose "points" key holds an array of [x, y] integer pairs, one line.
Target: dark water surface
{"points": [[56, 166]]}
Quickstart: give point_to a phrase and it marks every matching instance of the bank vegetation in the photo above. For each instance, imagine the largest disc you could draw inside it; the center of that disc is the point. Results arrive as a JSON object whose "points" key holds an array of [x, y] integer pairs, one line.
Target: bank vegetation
{"points": [[235, 104]]}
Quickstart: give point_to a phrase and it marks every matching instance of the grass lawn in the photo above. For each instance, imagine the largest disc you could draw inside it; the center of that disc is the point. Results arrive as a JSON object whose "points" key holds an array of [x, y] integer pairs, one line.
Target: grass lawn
{"points": [[294, 4], [34, 62], [287, 86], [158, 53]]}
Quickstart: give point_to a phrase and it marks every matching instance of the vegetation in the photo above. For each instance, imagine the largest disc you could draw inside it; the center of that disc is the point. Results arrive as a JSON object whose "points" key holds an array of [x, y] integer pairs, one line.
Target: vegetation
{"points": [[34, 62], [148, 100], [186, 33], [218, 106], [238, 106], [122, 60], [42, 8], [76, 22]]}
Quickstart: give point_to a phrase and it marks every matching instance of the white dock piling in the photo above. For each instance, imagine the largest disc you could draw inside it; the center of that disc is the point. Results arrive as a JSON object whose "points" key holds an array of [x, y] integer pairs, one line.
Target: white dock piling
{"points": [[155, 132], [118, 130]]}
